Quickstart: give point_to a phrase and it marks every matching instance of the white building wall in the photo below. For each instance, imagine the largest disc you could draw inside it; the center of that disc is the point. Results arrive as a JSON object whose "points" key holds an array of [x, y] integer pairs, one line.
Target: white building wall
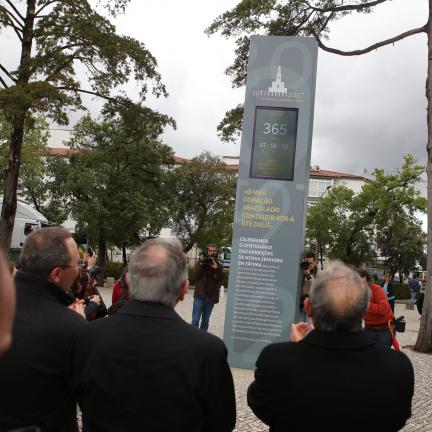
{"points": [[354, 184]]}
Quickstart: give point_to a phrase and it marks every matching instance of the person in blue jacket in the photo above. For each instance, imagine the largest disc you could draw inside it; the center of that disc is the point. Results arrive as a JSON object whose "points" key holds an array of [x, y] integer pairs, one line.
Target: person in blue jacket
{"points": [[389, 289]]}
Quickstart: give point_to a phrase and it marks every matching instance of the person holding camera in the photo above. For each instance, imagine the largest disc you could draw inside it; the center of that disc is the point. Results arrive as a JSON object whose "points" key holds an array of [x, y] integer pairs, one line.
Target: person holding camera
{"points": [[310, 273], [208, 280]]}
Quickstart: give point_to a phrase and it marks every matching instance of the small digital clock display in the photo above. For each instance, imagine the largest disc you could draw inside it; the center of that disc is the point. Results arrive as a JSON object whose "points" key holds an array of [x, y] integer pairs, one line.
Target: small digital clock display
{"points": [[274, 143]]}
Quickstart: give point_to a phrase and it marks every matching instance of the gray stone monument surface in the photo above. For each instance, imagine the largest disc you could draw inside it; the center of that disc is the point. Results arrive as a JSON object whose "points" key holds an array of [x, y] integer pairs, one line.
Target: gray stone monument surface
{"points": [[271, 195]]}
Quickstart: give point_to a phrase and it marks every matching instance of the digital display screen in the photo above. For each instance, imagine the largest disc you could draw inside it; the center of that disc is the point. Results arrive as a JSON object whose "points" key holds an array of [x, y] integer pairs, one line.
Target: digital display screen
{"points": [[274, 143]]}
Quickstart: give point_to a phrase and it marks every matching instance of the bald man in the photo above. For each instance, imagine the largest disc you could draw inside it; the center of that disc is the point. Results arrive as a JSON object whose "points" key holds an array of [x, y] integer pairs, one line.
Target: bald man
{"points": [[332, 377]]}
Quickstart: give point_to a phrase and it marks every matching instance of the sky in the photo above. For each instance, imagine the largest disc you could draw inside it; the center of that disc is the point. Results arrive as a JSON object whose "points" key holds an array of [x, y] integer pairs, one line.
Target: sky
{"points": [[370, 110]]}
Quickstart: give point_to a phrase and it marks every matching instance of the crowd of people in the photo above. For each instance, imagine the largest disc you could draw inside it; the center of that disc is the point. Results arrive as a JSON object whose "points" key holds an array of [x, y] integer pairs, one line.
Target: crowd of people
{"points": [[144, 368]]}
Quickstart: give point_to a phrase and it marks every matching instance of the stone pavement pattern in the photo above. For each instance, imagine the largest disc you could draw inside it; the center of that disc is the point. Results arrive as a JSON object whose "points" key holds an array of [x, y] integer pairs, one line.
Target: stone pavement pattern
{"points": [[421, 420]]}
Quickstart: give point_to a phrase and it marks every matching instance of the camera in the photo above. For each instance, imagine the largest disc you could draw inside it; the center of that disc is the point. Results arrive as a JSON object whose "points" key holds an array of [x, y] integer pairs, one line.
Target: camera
{"points": [[208, 259], [304, 265]]}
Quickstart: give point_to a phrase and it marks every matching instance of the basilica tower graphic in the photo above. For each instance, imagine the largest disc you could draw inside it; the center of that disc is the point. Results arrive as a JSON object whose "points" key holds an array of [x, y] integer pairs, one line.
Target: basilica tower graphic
{"points": [[278, 87]]}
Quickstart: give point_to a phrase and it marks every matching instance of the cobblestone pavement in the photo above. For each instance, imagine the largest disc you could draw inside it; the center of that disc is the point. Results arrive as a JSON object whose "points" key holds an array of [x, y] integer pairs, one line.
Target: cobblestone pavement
{"points": [[421, 420]]}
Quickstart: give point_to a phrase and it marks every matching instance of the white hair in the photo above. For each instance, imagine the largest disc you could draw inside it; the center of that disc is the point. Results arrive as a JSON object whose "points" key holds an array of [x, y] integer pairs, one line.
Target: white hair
{"points": [[157, 270]]}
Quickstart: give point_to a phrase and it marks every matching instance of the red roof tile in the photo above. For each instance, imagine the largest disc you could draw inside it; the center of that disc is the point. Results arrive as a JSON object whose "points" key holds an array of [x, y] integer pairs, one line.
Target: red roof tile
{"points": [[333, 174], [61, 151]]}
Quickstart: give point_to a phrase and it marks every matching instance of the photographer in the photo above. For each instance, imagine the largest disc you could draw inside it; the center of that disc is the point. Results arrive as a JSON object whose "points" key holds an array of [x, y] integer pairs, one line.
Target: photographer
{"points": [[208, 280], [310, 273]]}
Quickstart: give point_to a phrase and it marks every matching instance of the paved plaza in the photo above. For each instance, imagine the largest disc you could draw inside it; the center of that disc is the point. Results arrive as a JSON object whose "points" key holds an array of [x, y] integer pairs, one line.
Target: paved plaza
{"points": [[421, 419]]}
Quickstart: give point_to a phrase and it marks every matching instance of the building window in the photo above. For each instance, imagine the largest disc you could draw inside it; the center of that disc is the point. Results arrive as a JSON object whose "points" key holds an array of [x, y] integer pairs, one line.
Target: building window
{"points": [[318, 187]]}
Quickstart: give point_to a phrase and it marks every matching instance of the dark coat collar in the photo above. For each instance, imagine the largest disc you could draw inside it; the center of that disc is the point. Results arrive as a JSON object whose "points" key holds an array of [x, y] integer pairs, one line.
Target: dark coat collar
{"points": [[144, 308], [338, 340], [42, 288]]}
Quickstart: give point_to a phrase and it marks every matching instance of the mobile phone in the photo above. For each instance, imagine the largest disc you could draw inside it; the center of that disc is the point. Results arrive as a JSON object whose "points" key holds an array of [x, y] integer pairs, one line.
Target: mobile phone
{"points": [[90, 251]]}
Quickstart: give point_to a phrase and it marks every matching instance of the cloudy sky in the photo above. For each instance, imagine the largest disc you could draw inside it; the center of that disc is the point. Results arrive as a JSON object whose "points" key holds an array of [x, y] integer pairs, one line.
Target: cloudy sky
{"points": [[369, 110]]}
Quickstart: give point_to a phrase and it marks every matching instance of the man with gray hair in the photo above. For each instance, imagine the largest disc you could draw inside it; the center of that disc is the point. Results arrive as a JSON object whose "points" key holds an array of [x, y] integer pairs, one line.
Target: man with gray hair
{"points": [[34, 388], [331, 376], [144, 368]]}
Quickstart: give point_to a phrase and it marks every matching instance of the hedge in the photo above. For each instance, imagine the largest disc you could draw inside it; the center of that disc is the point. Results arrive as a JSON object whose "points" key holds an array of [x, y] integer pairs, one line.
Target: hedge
{"points": [[113, 269], [401, 291]]}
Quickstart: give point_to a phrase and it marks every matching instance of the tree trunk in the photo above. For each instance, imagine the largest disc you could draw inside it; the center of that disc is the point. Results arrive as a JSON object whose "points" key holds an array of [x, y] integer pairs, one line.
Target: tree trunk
{"points": [[102, 252], [11, 170], [424, 338], [124, 254]]}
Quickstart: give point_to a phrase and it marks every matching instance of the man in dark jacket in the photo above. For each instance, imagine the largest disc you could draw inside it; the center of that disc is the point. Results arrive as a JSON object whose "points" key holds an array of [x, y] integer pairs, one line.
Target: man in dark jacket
{"points": [[332, 377], [144, 368], [208, 280], [7, 305], [34, 388]]}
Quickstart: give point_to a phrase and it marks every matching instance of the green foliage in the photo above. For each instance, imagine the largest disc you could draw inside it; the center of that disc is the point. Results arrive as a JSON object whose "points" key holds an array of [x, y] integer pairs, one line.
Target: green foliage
{"points": [[115, 182], [401, 291], [203, 211], [229, 128], [66, 49], [33, 183], [113, 269], [350, 226], [283, 18], [68, 36]]}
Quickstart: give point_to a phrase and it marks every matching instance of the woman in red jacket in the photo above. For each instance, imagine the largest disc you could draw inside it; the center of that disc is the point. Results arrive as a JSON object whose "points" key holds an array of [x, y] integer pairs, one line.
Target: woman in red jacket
{"points": [[121, 292], [378, 315]]}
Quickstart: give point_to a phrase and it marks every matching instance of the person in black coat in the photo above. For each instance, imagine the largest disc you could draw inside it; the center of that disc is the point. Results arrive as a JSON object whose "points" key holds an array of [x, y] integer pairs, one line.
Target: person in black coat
{"points": [[34, 388], [332, 377], [7, 305], [144, 368]]}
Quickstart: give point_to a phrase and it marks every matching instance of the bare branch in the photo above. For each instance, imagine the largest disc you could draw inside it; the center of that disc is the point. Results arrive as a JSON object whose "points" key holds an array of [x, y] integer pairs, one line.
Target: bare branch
{"points": [[16, 29], [7, 73], [326, 22], [3, 83], [88, 92], [372, 47], [348, 7], [14, 18], [15, 10], [43, 7]]}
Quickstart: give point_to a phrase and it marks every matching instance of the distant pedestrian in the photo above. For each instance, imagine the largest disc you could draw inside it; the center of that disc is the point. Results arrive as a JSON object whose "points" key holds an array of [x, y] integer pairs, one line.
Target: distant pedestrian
{"points": [[414, 287], [208, 280], [121, 292], [378, 314], [389, 290], [420, 298]]}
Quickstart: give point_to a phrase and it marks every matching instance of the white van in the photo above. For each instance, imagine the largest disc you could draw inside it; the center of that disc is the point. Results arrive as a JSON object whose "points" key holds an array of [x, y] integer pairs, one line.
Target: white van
{"points": [[27, 219]]}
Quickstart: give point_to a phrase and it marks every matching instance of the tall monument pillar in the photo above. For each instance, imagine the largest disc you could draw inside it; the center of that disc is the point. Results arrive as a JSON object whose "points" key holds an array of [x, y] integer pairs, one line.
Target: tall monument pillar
{"points": [[271, 200]]}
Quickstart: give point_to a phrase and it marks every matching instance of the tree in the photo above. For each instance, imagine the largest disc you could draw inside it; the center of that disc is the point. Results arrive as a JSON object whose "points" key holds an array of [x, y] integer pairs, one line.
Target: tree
{"points": [[313, 18], [56, 39], [338, 230], [403, 244], [33, 180], [115, 182], [205, 194], [351, 227]]}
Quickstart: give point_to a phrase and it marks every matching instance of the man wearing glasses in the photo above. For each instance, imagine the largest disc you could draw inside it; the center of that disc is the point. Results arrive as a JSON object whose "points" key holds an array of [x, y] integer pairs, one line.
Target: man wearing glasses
{"points": [[34, 386]]}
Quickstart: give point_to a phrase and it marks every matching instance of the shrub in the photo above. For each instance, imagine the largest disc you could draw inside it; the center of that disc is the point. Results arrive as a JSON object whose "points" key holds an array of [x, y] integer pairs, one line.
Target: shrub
{"points": [[401, 291], [113, 269]]}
